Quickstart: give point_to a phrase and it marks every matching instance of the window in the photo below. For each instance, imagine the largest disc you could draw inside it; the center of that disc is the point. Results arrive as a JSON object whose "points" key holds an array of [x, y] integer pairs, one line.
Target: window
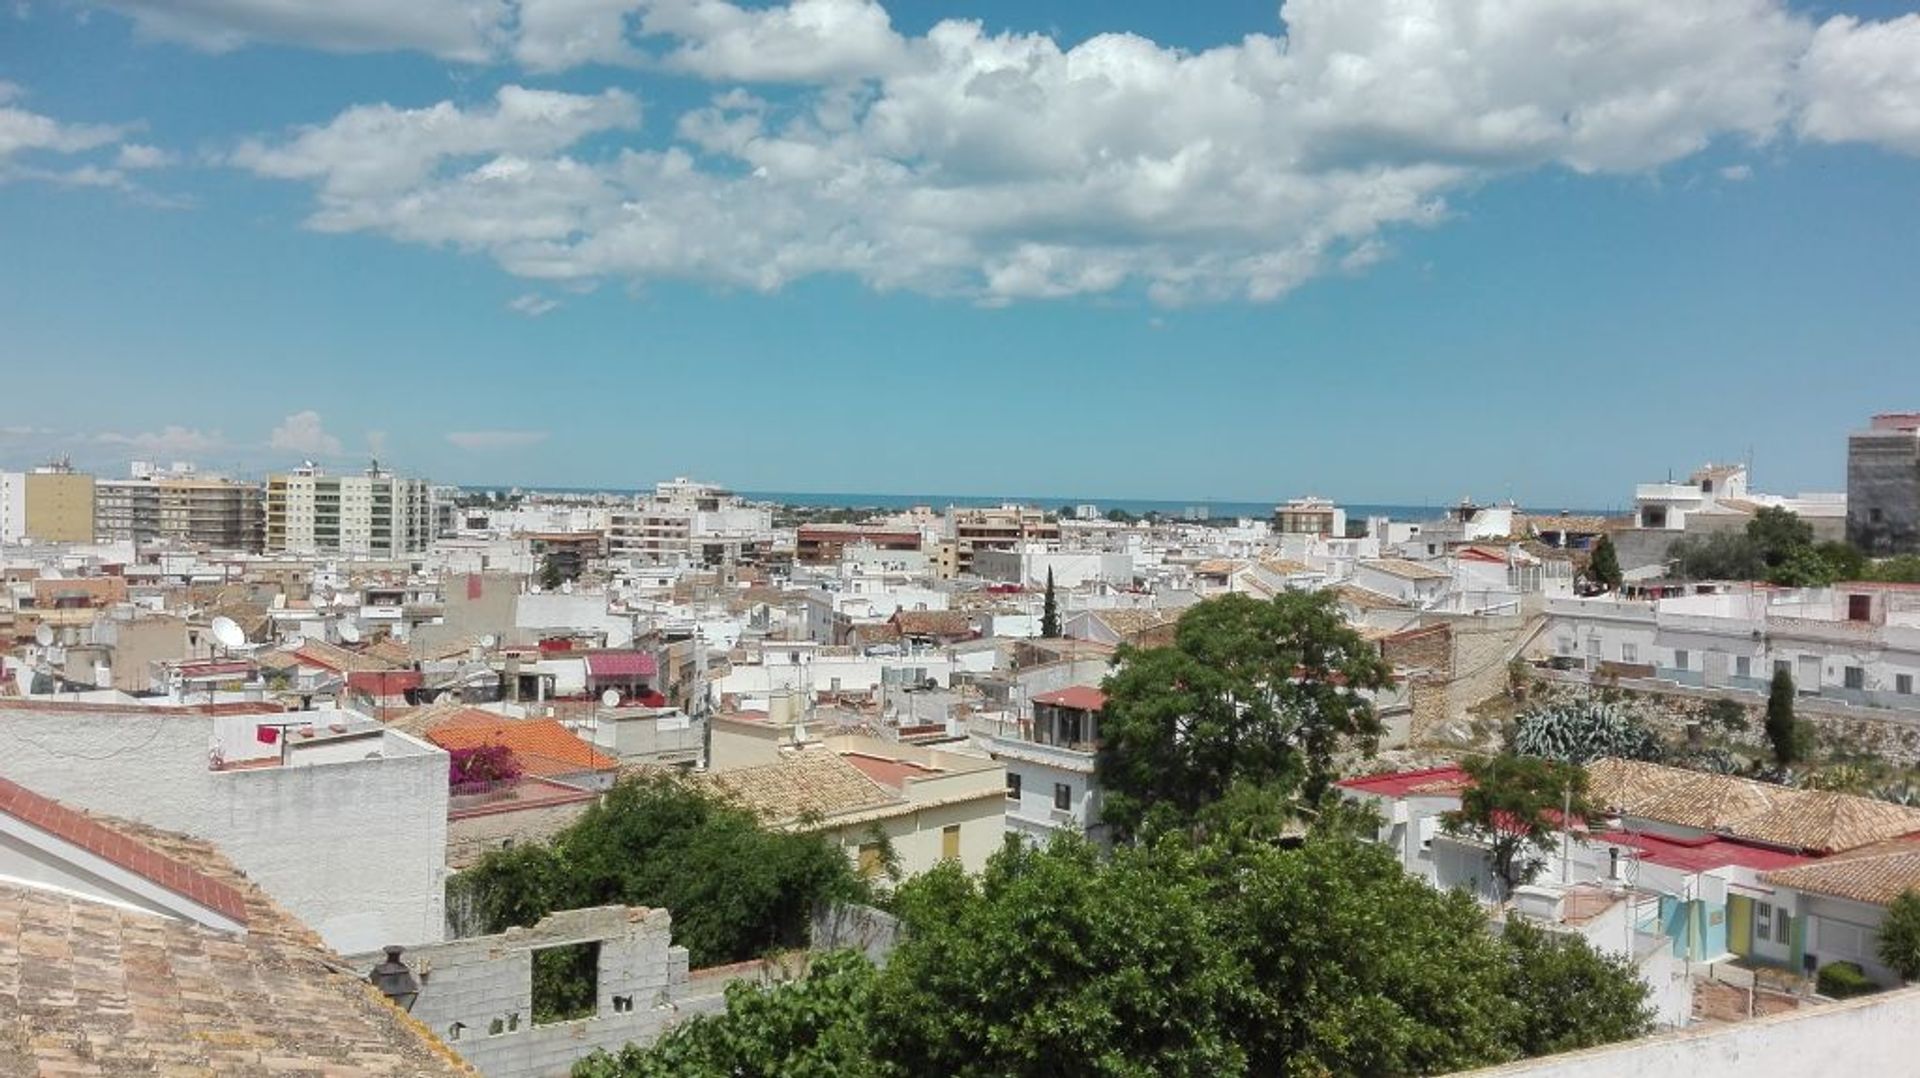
{"points": [[1742, 666], [1062, 796], [950, 842], [1903, 684], [566, 983], [1629, 653], [1680, 658], [1783, 927], [1783, 666], [1013, 787], [1855, 677], [871, 863], [1763, 920]]}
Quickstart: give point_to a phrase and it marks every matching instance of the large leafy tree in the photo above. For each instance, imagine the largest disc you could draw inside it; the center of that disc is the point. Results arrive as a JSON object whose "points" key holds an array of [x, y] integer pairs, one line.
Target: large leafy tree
{"points": [[1779, 534], [1516, 806], [1223, 959], [1900, 936], [1250, 691], [1569, 995], [735, 889]]}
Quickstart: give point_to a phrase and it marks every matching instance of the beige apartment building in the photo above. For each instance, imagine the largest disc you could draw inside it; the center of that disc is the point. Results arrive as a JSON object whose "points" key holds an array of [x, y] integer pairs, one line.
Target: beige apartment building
{"points": [[1003, 528], [58, 505], [181, 507], [376, 514]]}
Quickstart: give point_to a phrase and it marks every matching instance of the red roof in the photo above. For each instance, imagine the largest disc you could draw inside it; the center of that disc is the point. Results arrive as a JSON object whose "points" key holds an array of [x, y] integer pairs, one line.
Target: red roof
{"points": [[1077, 697], [1403, 783], [543, 746], [621, 664], [887, 772], [1702, 853], [51, 817]]}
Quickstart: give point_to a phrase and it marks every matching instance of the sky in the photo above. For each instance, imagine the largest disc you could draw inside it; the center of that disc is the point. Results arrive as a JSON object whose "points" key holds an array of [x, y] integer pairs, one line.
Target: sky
{"points": [[1390, 251]]}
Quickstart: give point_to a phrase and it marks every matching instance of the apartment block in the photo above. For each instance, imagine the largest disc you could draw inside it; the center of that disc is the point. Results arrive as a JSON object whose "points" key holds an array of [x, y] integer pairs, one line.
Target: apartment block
{"points": [[1004, 528], [376, 514], [53, 504], [1883, 485], [180, 506]]}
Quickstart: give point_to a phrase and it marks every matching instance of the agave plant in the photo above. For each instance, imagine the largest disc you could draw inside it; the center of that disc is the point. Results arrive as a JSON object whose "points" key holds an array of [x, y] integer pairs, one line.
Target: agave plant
{"points": [[1582, 731]]}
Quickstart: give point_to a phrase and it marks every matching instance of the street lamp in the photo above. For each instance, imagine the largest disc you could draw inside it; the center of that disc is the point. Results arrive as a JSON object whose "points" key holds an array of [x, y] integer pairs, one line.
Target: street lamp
{"points": [[395, 980]]}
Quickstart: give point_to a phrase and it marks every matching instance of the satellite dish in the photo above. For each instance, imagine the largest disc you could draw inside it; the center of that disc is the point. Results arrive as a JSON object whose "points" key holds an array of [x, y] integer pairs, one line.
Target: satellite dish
{"points": [[610, 698], [52, 574], [489, 640], [566, 587], [43, 636], [349, 631], [227, 632]]}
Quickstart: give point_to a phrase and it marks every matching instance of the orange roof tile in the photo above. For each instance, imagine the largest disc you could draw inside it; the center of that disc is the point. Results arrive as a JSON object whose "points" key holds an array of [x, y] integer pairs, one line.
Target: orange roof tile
{"points": [[545, 747]]}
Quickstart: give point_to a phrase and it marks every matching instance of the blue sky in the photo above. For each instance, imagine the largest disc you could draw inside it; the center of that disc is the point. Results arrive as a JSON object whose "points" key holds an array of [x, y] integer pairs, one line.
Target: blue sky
{"points": [[1123, 250]]}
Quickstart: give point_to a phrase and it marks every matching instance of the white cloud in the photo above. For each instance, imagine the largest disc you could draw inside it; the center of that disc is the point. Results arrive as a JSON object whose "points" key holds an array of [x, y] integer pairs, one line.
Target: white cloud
{"points": [[134, 155], [1737, 173], [486, 441], [303, 433], [452, 29], [532, 304], [21, 131], [171, 440], [1003, 166], [1861, 83]]}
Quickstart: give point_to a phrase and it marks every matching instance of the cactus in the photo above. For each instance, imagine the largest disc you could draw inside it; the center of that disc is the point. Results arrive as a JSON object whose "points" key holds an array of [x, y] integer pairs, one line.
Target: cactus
{"points": [[1579, 732]]}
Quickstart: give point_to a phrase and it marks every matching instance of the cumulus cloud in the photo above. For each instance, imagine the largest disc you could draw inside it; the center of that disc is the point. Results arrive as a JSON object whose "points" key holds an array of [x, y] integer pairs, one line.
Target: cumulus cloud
{"points": [[1737, 173], [1004, 166], [170, 440], [21, 131], [453, 29], [485, 441], [303, 433], [1862, 83], [134, 155]]}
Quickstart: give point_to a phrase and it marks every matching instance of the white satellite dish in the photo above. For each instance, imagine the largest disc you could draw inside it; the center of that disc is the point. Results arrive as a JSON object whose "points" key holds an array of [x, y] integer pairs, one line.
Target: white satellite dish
{"points": [[610, 698], [43, 636], [489, 640], [227, 632], [349, 631]]}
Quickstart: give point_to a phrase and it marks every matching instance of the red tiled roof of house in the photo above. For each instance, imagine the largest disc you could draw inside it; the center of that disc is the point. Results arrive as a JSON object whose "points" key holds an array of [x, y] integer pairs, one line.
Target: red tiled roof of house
{"points": [[1430, 781], [1077, 697], [880, 769], [1703, 853], [621, 664], [68, 825], [545, 748]]}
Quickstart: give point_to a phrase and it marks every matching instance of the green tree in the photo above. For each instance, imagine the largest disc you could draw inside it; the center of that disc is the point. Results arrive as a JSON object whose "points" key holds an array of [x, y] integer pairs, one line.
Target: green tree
{"points": [[550, 575], [814, 1028], [1720, 556], [735, 890], [1844, 561], [1802, 567], [1900, 936], [1603, 565], [1569, 995], [1783, 731], [1050, 612], [1265, 692], [1779, 534], [1120, 516], [1904, 569], [1515, 806]]}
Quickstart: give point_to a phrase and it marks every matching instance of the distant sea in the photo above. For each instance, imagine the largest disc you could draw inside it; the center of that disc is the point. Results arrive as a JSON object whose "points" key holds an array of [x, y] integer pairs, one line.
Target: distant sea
{"points": [[1177, 508]]}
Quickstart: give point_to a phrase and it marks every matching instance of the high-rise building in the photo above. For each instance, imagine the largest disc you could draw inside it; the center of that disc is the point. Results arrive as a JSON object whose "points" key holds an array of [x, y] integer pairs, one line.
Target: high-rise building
{"points": [[180, 505], [376, 514], [53, 504], [1883, 485]]}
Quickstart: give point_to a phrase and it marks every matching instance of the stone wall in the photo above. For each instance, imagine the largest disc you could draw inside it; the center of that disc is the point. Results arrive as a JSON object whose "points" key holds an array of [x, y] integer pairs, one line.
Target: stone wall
{"points": [[476, 994]]}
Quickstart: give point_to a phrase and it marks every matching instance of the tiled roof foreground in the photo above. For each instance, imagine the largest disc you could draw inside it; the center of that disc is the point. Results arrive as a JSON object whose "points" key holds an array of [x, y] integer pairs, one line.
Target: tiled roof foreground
{"points": [[90, 989]]}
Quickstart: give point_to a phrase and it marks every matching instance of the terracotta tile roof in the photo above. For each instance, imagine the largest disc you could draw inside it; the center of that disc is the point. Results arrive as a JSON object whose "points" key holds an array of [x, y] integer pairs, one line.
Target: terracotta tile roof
{"points": [[1218, 566], [338, 659], [933, 622], [1077, 697], [418, 720], [1287, 567], [392, 652], [88, 988], [544, 747], [53, 818], [815, 783], [1875, 874], [1128, 623], [1812, 820], [1366, 598], [1405, 569]]}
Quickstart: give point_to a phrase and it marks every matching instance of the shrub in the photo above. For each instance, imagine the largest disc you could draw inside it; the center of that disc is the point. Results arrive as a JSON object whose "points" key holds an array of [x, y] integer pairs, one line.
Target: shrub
{"points": [[1841, 980], [1579, 732], [481, 768]]}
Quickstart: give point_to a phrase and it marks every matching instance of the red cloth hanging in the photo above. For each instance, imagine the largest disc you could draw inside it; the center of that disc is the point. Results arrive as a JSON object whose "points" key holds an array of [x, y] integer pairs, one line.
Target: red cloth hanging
{"points": [[266, 735]]}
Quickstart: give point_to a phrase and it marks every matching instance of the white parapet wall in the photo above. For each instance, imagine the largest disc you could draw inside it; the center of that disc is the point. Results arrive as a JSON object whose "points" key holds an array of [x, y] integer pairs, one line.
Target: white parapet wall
{"points": [[1873, 1036]]}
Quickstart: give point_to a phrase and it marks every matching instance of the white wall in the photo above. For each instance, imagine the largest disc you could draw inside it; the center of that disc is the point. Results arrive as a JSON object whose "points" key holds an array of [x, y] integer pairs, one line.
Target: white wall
{"points": [[357, 850]]}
